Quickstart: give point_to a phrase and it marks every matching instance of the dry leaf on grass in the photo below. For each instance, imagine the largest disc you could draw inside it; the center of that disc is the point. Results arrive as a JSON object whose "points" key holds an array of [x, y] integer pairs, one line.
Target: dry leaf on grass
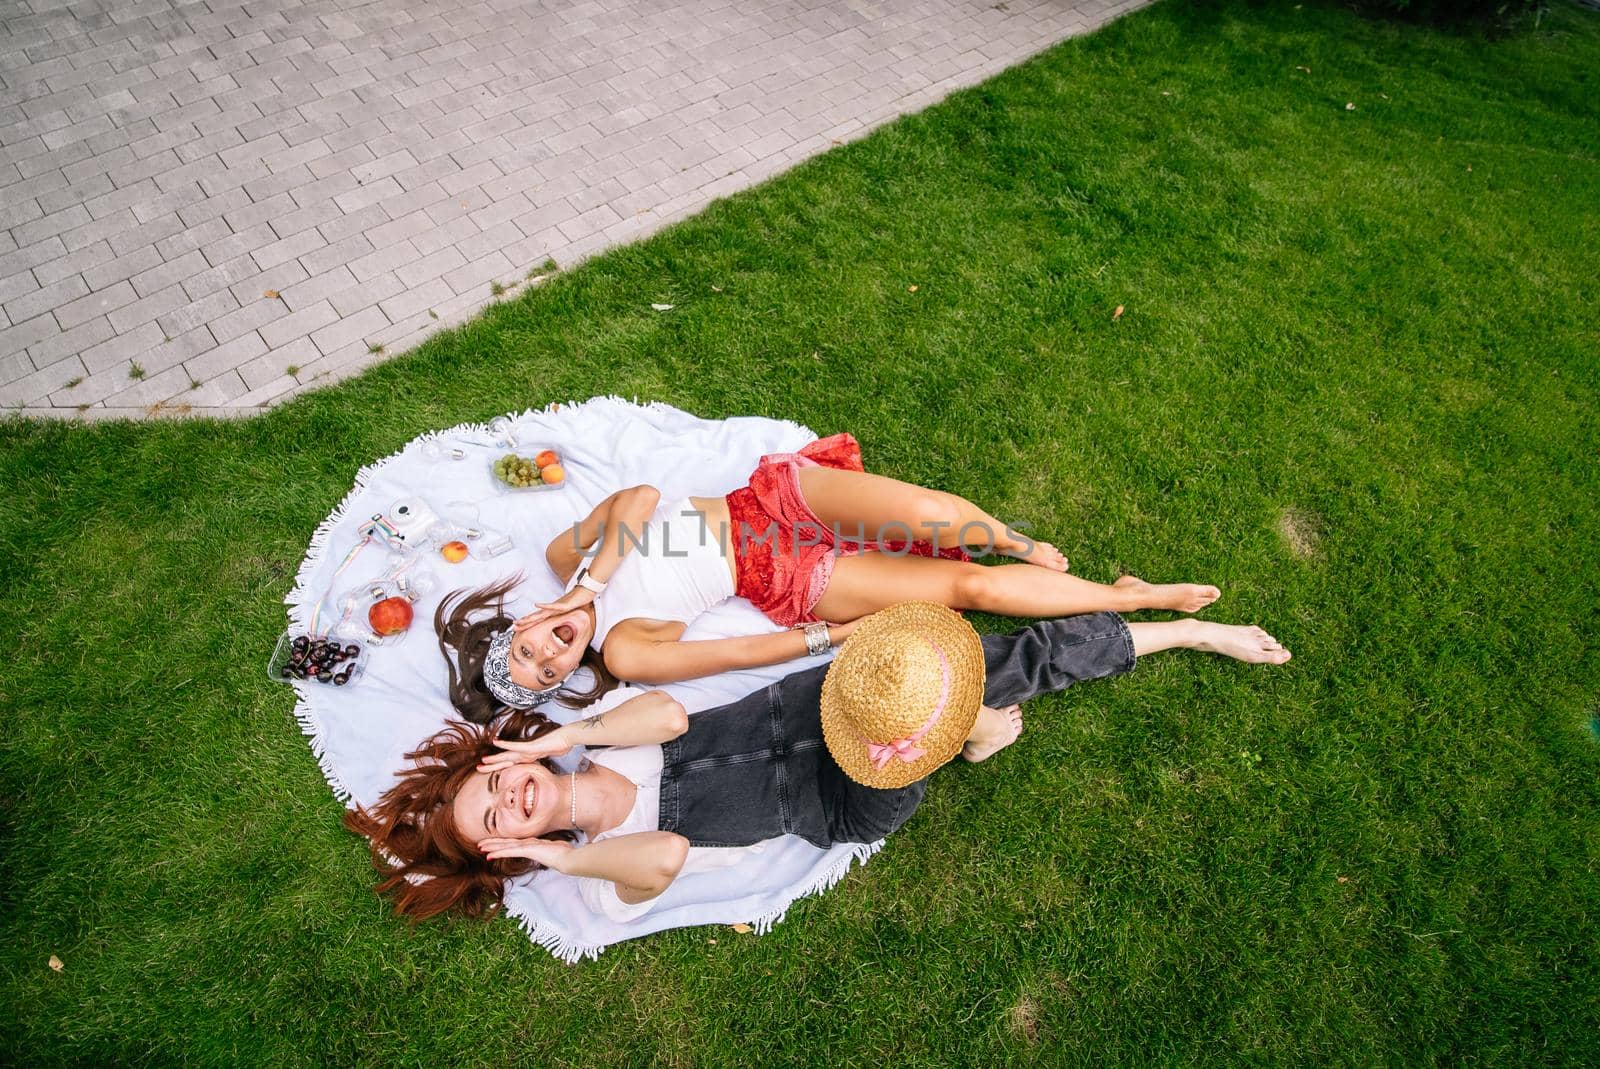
{"points": [[1350, 107], [1117, 314], [56, 963], [742, 928], [1306, 69], [911, 289], [662, 307]]}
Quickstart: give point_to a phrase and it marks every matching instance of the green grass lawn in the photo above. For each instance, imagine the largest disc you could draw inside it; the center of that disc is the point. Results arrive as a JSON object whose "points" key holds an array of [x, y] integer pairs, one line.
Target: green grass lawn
{"points": [[1355, 384]]}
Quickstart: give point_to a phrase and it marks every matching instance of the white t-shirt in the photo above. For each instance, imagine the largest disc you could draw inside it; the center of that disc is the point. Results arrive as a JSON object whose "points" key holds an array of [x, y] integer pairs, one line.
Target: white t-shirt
{"points": [[674, 570], [642, 766]]}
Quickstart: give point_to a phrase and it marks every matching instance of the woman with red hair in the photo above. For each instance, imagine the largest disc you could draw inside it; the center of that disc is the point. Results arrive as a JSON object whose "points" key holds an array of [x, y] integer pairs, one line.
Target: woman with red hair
{"points": [[833, 755]]}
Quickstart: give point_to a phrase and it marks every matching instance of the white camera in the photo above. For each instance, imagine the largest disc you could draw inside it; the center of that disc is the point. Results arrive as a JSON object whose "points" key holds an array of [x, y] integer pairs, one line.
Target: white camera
{"points": [[405, 526]]}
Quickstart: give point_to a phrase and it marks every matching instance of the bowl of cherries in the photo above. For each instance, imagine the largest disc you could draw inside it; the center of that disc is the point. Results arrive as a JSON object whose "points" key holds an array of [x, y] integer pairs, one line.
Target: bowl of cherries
{"points": [[327, 659]]}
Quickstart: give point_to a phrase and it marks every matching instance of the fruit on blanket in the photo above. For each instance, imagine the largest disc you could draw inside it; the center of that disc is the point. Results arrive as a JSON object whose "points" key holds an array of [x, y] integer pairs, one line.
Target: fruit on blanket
{"points": [[545, 459], [390, 616], [517, 471], [454, 552], [552, 474]]}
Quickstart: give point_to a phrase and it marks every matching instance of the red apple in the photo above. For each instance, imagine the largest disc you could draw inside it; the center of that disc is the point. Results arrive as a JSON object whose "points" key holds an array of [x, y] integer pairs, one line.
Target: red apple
{"points": [[390, 616]]}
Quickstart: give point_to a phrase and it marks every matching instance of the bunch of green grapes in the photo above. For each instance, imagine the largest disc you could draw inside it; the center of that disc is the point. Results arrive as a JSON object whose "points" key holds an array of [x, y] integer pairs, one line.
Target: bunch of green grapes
{"points": [[516, 471]]}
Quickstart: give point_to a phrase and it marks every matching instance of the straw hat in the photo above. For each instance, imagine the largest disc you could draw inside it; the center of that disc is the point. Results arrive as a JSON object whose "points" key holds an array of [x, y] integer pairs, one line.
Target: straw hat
{"points": [[903, 694]]}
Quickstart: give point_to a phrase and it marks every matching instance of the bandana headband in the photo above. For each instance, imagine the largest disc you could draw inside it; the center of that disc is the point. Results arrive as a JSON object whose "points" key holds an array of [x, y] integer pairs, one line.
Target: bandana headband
{"points": [[497, 676]]}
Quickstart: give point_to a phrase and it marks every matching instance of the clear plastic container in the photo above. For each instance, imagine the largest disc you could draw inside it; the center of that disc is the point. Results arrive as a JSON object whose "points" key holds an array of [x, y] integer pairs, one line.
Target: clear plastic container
{"points": [[527, 453], [352, 667]]}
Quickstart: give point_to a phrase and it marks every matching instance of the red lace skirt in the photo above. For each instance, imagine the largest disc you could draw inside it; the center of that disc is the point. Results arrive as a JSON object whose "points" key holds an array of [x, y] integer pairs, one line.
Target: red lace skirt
{"points": [[783, 553]]}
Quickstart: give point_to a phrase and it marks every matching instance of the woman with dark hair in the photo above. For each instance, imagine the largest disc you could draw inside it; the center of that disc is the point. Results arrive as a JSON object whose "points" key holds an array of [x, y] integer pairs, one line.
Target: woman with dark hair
{"points": [[812, 538], [834, 755], [466, 622]]}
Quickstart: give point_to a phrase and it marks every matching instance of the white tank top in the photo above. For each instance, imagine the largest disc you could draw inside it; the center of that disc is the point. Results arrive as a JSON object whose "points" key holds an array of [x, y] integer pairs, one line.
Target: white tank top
{"points": [[642, 766], [674, 570]]}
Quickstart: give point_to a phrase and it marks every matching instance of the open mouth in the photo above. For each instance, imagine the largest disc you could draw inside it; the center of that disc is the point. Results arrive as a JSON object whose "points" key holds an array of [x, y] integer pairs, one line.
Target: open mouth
{"points": [[564, 634], [528, 790]]}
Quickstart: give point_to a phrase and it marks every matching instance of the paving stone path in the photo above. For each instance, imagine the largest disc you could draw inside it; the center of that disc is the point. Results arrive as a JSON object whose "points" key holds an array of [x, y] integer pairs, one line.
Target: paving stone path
{"points": [[212, 206]]}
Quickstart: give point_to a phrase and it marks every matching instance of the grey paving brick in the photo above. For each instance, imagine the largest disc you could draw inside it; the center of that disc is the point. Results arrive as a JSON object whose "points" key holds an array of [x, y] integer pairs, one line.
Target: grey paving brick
{"points": [[28, 224], [217, 392], [253, 314], [95, 305], [120, 349], [17, 285], [275, 364], [238, 244], [147, 309], [350, 330], [107, 274], [293, 222], [289, 248], [415, 300], [275, 390], [299, 324], [353, 299], [197, 313], [220, 359], [69, 343], [419, 271], [169, 273], [153, 388], [258, 212], [20, 336], [225, 275], [36, 388], [181, 239], [42, 300], [355, 223]]}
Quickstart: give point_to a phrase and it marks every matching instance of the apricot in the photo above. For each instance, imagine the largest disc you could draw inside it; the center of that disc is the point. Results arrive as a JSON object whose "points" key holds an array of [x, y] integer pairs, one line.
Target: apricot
{"points": [[552, 474], [545, 459], [454, 552]]}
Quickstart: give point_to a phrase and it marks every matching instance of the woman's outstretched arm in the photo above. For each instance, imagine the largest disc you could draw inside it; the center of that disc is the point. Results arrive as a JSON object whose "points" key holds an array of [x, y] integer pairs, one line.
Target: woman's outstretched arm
{"points": [[634, 656], [649, 718], [641, 865]]}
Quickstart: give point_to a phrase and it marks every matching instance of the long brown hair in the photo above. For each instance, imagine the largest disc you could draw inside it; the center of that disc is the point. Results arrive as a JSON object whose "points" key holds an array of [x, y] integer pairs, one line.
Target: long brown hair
{"points": [[464, 642], [426, 863]]}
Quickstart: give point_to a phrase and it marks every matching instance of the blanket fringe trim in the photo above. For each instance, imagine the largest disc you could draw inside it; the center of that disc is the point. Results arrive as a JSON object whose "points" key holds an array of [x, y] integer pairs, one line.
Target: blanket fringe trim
{"points": [[571, 952]]}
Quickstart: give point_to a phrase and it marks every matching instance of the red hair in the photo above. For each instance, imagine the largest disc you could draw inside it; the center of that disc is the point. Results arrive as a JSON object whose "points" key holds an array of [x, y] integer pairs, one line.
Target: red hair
{"points": [[427, 865]]}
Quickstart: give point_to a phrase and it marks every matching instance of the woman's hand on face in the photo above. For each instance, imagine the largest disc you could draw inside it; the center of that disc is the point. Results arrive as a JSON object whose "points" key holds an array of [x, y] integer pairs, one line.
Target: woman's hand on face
{"points": [[550, 853], [514, 752], [576, 598]]}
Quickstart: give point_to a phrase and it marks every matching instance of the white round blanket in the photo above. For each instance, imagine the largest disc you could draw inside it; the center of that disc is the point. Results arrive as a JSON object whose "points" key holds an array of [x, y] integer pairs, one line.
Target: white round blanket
{"points": [[361, 733]]}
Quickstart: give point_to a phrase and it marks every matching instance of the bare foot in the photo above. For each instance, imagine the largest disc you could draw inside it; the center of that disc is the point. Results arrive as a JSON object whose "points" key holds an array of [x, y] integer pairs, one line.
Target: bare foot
{"points": [[995, 730], [1181, 597], [1242, 643], [1040, 553]]}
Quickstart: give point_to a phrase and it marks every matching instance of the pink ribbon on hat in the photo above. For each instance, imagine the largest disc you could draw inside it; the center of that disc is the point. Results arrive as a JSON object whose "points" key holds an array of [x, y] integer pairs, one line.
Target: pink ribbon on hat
{"points": [[881, 753]]}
